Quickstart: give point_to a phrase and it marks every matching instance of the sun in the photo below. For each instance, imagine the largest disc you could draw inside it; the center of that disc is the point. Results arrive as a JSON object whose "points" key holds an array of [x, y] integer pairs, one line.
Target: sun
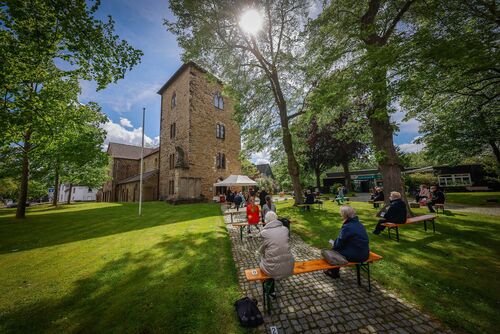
{"points": [[251, 21]]}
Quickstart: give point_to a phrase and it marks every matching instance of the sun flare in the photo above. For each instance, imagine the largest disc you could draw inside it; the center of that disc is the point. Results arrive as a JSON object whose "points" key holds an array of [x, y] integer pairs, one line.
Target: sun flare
{"points": [[251, 21]]}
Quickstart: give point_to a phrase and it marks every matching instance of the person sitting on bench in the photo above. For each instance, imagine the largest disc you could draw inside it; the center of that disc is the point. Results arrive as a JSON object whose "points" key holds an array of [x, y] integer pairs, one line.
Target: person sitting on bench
{"points": [[352, 242], [423, 194], [276, 257], [437, 198], [253, 215], [267, 207], [396, 213], [378, 197], [309, 200], [340, 196]]}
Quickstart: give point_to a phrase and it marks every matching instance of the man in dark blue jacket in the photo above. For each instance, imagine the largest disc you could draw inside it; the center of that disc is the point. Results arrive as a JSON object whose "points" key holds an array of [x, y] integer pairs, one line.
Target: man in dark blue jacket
{"points": [[437, 198], [352, 241], [396, 213]]}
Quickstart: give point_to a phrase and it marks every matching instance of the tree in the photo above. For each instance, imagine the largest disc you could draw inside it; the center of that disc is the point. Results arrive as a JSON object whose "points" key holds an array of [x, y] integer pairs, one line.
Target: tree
{"points": [[35, 36], [265, 68], [247, 167], [358, 43], [451, 80], [319, 150]]}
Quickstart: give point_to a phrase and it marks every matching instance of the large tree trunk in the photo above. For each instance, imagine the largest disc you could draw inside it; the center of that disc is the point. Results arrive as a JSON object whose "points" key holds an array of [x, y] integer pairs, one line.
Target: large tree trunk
{"points": [[23, 191], [496, 151], [56, 186], [69, 193], [317, 173], [347, 175]]}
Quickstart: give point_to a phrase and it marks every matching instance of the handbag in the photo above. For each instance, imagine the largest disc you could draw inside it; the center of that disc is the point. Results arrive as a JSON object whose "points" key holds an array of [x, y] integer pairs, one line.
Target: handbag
{"points": [[333, 258]]}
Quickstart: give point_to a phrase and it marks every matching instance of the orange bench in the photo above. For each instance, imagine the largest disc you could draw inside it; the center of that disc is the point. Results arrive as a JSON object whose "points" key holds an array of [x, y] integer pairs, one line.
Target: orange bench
{"points": [[409, 221], [257, 274]]}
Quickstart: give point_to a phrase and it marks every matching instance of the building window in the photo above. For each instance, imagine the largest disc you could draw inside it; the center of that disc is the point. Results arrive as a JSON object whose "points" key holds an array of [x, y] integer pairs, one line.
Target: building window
{"points": [[171, 161], [454, 180], [74, 190], [90, 190], [220, 131], [218, 101], [221, 160], [172, 130], [171, 187], [173, 101]]}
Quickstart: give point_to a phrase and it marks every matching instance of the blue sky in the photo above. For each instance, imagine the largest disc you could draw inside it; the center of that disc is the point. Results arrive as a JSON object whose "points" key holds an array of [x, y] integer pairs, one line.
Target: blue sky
{"points": [[141, 24]]}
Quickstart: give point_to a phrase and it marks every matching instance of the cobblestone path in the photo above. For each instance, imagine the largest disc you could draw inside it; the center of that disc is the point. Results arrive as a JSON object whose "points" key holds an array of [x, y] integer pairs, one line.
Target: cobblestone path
{"points": [[315, 303]]}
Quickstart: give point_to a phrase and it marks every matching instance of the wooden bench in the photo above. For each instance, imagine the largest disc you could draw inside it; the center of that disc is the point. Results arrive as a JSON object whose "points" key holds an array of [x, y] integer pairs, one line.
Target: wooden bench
{"points": [[439, 206], [409, 221], [234, 211], [337, 200], [242, 227], [257, 274], [303, 206]]}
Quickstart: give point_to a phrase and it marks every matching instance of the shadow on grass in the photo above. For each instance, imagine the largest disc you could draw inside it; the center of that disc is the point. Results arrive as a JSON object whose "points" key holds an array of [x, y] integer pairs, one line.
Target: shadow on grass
{"points": [[184, 284], [85, 223]]}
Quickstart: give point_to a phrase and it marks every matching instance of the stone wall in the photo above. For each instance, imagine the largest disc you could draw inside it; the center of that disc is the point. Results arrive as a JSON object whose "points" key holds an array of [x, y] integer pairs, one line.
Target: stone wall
{"points": [[151, 162], [196, 117], [129, 192], [204, 145], [180, 116]]}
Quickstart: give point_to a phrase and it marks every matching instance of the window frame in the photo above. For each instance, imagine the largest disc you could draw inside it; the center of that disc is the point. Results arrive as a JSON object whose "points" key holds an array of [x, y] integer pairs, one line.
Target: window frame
{"points": [[173, 100], [218, 101]]}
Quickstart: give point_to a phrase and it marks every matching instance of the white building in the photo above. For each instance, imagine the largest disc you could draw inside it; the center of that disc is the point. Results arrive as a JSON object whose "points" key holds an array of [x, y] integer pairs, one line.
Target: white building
{"points": [[78, 193]]}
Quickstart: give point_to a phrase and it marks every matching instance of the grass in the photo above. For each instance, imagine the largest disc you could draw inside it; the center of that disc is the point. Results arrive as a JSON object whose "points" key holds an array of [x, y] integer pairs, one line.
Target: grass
{"points": [[99, 268], [474, 198], [453, 274]]}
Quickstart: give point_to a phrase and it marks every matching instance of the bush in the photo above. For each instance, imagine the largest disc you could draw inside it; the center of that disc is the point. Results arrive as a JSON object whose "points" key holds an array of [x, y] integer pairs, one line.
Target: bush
{"points": [[413, 181]]}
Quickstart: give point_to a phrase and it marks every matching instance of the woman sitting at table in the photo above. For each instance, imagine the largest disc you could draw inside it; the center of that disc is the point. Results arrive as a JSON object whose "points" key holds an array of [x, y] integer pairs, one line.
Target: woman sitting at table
{"points": [[352, 242]]}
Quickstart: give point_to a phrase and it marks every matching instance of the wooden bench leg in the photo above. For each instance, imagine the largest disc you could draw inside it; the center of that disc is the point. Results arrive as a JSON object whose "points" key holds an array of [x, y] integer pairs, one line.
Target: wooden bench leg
{"points": [[425, 225], [241, 233], [267, 296], [433, 227], [389, 232], [358, 274], [397, 233], [366, 268]]}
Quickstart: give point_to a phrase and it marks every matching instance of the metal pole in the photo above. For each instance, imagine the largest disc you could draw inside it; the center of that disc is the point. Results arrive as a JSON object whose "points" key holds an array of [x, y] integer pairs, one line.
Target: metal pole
{"points": [[142, 162]]}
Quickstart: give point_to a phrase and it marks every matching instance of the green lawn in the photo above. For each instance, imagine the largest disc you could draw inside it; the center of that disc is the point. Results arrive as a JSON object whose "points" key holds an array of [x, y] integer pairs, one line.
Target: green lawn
{"points": [[474, 198], [99, 268], [452, 274]]}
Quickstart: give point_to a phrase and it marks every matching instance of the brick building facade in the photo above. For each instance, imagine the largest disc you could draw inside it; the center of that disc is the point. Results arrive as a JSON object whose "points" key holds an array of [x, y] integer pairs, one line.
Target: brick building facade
{"points": [[199, 144]]}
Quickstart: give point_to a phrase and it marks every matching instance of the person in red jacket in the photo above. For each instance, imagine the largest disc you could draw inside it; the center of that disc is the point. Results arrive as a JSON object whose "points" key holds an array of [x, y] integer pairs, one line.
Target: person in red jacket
{"points": [[253, 214]]}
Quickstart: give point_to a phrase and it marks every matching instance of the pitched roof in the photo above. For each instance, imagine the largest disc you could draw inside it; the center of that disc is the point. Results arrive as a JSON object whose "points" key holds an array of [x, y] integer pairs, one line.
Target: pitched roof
{"points": [[125, 151], [179, 71], [136, 178], [265, 169]]}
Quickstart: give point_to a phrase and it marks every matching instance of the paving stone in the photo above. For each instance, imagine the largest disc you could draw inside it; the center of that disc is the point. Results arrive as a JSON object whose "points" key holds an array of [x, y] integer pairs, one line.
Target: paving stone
{"points": [[315, 303]]}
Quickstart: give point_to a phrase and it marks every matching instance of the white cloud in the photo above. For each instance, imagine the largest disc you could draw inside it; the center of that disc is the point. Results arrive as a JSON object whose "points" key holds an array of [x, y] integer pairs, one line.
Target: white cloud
{"points": [[126, 122], [411, 147], [118, 134], [260, 158], [410, 126]]}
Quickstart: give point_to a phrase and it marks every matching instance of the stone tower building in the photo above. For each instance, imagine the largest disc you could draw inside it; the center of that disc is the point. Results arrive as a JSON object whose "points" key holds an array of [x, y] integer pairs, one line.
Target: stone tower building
{"points": [[199, 140]]}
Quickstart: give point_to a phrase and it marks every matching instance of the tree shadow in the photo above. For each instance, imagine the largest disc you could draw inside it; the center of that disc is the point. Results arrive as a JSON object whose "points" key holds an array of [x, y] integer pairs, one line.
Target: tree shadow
{"points": [[182, 284], [61, 227]]}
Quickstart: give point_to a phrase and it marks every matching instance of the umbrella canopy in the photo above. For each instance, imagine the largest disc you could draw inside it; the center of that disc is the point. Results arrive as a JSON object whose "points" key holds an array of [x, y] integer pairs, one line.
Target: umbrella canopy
{"points": [[236, 180]]}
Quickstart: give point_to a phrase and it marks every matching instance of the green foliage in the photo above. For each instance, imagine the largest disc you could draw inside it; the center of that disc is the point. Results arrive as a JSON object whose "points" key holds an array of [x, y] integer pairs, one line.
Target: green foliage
{"points": [[247, 167], [46, 47], [9, 188], [413, 181], [100, 268], [265, 183]]}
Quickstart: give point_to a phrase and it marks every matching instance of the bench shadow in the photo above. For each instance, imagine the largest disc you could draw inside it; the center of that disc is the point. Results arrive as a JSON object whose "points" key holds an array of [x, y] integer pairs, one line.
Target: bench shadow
{"points": [[63, 227], [179, 285]]}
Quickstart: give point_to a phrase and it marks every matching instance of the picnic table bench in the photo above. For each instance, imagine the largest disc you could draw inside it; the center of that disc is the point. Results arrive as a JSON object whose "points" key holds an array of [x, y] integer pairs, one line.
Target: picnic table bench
{"points": [[242, 227], [318, 203], [302, 267], [409, 221], [232, 212]]}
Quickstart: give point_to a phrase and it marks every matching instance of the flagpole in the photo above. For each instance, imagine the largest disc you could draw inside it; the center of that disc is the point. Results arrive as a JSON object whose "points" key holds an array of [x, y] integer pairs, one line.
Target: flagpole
{"points": [[142, 162]]}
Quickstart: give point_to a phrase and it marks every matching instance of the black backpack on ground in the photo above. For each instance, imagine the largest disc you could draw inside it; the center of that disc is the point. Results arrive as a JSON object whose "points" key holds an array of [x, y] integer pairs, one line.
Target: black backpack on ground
{"points": [[248, 312], [285, 222]]}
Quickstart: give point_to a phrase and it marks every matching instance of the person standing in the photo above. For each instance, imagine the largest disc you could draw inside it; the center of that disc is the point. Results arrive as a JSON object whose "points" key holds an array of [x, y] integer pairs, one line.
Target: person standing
{"points": [[253, 215], [424, 193], [309, 199], [352, 242], [396, 213], [262, 198], [267, 207]]}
